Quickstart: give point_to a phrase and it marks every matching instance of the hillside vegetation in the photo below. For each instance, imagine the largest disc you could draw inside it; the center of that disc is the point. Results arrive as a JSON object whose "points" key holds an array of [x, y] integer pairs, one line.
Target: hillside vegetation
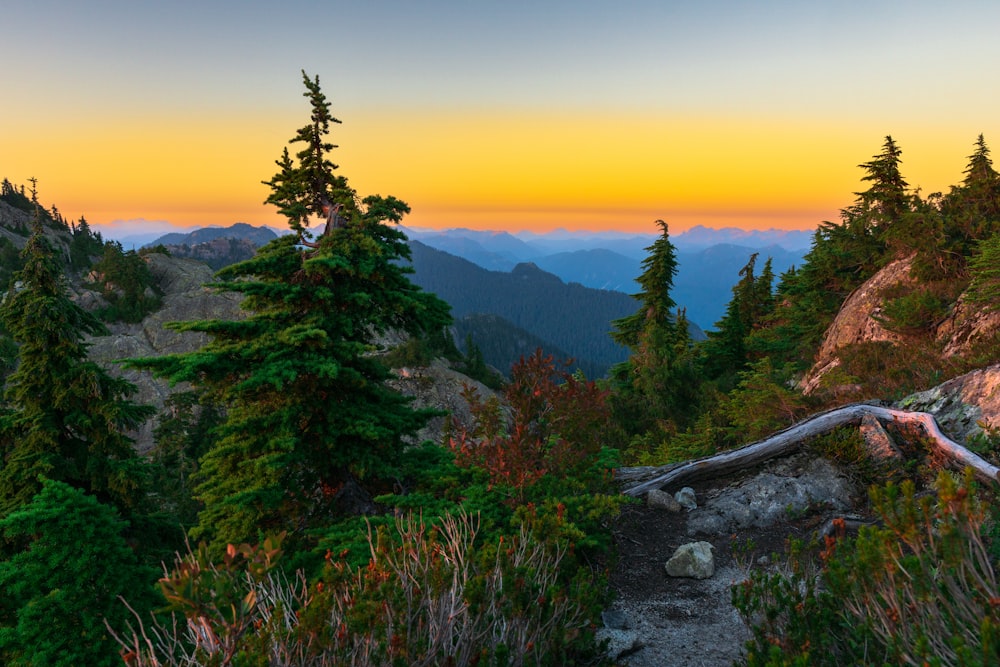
{"points": [[301, 523]]}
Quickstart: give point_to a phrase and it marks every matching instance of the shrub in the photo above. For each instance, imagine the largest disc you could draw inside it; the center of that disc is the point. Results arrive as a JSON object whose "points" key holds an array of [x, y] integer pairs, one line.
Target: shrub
{"points": [[920, 590], [550, 422], [426, 597]]}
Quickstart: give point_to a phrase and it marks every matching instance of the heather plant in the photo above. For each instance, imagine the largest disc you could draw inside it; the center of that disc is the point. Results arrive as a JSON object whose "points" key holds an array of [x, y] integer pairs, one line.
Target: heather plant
{"points": [[920, 590], [426, 596]]}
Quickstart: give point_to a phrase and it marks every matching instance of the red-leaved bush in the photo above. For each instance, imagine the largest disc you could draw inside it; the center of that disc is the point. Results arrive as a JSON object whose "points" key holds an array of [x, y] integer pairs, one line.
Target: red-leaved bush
{"points": [[548, 421]]}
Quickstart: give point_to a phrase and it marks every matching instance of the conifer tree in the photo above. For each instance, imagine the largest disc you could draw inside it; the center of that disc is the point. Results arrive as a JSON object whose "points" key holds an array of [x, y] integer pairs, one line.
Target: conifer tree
{"points": [[307, 407], [63, 583], [657, 386], [725, 353], [64, 417], [971, 211]]}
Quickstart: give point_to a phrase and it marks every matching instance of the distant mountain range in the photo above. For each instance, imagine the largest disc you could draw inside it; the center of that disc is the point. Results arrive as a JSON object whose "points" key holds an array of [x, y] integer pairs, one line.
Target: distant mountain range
{"points": [[241, 230], [561, 288], [567, 319], [709, 260]]}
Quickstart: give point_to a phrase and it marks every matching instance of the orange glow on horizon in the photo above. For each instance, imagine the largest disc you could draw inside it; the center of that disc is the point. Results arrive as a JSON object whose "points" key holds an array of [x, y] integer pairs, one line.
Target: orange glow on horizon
{"points": [[504, 171]]}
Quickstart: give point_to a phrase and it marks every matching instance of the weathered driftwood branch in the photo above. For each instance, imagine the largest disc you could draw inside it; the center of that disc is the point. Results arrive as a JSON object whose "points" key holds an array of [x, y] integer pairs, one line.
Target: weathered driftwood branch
{"points": [[787, 441]]}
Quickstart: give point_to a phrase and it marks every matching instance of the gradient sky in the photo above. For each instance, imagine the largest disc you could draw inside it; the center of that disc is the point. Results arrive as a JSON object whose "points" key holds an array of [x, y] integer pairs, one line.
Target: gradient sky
{"points": [[495, 115]]}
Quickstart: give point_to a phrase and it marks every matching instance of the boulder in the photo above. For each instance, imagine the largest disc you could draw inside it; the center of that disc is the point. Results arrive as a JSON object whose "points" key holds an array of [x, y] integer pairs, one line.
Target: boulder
{"points": [[693, 560], [662, 500], [686, 498]]}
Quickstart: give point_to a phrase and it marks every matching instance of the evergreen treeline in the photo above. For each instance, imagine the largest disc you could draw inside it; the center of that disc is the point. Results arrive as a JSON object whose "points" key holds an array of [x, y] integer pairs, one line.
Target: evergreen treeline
{"points": [[310, 532]]}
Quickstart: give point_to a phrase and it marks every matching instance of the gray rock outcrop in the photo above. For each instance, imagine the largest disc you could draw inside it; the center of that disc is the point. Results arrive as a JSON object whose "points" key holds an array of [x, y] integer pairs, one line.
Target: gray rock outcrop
{"points": [[185, 298]]}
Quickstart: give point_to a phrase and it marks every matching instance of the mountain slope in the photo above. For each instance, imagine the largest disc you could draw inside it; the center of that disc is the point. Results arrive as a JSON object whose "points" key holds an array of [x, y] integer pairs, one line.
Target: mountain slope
{"points": [[572, 317]]}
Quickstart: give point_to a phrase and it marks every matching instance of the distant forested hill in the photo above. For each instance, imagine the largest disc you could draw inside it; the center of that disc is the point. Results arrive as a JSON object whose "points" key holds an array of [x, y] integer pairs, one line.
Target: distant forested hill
{"points": [[503, 343], [570, 317]]}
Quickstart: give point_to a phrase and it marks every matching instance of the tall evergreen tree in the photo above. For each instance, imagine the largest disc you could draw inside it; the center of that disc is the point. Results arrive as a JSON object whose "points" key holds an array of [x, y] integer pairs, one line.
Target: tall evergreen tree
{"points": [[64, 417], [971, 211], [657, 306], [307, 407], [725, 353], [657, 386]]}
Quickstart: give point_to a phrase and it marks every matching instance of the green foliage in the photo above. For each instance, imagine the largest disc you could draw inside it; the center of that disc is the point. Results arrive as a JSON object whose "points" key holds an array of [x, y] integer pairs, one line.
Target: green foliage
{"points": [[183, 434], [985, 268], [474, 365], [85, 245], [658, 388], [920, 590], [126, 283], [762, 403], [915, 310], [69, 565], [656, 310], [10, 262], [158, 249], [64, 417], [725, 352]]}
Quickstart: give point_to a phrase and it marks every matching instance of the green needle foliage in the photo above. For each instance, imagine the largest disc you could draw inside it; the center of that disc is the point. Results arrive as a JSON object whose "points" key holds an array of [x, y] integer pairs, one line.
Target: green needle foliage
{"points": [[307, 407], [59, 589], [63, 416]]}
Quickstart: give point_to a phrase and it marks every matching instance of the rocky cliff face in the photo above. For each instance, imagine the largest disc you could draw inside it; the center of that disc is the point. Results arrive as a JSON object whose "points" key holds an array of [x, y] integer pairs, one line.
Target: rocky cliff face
{"points": [[186, 297], [966, 327], [858, 321]]}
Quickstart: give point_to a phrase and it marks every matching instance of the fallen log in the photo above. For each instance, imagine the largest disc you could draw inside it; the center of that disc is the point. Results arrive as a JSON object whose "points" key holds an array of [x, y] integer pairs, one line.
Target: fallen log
{"points": [[790, 439]]}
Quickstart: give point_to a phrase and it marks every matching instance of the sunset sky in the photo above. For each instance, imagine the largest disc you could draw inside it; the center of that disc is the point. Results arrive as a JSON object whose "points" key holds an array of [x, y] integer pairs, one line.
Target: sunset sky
{"points": [[495, 115]]}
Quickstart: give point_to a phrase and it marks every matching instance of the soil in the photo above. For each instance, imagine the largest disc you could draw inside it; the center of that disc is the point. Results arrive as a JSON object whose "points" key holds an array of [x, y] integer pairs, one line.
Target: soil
{"points": [[665, 621]]}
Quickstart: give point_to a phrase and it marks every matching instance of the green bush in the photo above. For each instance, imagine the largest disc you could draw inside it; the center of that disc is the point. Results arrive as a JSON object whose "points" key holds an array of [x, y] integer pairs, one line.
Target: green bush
{"points": [[921, 590], [915, 311], [66, 563]]}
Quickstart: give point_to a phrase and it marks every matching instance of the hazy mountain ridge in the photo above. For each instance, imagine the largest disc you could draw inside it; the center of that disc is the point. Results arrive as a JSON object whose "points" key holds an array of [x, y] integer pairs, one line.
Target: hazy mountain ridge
{"points": [[708, 259], [240, 230], [571, 317]]}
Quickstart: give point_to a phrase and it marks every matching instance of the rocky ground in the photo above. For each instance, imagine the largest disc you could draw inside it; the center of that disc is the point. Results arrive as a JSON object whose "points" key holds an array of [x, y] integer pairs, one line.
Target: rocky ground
{"points": [[664, 621]]}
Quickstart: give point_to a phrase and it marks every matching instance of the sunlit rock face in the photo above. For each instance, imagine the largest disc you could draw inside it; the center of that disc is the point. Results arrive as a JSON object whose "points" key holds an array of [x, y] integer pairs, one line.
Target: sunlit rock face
{"points": [[968, 325], [857, 321], [964, 406]]}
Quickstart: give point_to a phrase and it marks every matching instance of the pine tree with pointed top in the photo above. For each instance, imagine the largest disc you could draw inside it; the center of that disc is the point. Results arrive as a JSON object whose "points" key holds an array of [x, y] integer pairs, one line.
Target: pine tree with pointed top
{"points": [[656, 387], [63, 416], [307, 406]]}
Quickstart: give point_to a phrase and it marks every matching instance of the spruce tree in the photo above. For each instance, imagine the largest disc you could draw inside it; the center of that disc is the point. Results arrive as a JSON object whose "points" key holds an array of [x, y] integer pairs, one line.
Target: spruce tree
{"points": [[307, 408], [725, 352], [63, 417]]}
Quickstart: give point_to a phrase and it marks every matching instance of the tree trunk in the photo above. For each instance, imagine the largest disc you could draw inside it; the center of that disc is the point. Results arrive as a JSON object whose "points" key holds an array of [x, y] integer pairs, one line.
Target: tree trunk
{"points": [[787, 441]]}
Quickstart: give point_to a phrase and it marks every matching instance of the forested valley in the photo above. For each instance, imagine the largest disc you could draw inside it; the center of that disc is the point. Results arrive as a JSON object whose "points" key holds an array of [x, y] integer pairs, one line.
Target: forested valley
{"points": [[287, 515]]}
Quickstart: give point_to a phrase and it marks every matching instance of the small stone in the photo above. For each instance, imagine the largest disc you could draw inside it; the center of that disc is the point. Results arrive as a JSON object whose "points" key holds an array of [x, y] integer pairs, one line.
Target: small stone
{"points": [[618, 643], [686, 498], [662, 500], [693, 560], [614, 619]]}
